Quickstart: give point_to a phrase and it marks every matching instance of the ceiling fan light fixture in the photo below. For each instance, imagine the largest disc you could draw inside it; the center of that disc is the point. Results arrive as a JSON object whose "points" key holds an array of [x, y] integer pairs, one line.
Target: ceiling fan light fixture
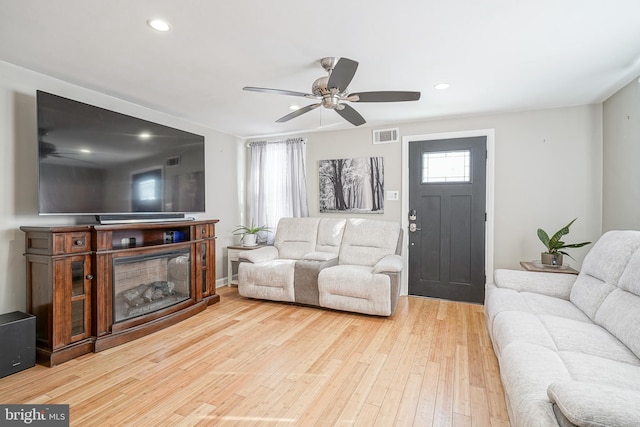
{"points": [[441, 86], [332, 92], [159, 25]]}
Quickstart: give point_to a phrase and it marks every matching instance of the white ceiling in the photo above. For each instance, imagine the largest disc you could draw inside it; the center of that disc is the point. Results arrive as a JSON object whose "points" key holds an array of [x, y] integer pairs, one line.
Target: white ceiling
{"points": [[497, 55]]}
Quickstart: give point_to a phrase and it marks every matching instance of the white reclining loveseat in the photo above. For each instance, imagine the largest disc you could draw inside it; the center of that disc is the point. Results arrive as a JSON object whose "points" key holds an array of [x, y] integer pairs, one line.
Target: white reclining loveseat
{"points": [[344, 264]]}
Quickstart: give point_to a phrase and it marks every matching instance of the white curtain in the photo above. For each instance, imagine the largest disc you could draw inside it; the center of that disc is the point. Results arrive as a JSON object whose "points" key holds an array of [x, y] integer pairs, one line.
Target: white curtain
{"points": [[277, 183]]}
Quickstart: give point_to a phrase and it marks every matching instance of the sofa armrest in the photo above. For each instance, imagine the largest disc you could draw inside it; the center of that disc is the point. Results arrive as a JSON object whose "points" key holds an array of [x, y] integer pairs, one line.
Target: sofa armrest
{"points": [[550, 284], [388, 264], [320, 256], [588, 404], [255, 256]]}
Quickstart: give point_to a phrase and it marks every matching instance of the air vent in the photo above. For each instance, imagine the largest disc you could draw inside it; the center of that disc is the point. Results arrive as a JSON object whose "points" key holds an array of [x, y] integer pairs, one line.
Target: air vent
{"points": [[385, 136], [172, 161]]}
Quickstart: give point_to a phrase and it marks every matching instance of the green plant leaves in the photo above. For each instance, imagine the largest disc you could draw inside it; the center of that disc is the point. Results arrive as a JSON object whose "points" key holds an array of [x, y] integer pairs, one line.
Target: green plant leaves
{"points": [[554, 244]]}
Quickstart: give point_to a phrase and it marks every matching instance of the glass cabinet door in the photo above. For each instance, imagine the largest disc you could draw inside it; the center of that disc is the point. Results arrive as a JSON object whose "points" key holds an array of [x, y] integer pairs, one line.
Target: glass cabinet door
{"points": [[79, 270], [205, 288]]}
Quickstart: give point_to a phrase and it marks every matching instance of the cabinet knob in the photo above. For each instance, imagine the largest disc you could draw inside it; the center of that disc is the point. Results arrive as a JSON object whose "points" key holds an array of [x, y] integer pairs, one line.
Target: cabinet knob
{"points": [[79, 242], [89, 276]]}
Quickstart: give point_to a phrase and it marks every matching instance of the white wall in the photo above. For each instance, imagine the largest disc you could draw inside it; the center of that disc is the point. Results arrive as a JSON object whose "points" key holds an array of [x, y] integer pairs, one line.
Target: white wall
{"points": [[548, 170], [621, 183], [18, 186]]}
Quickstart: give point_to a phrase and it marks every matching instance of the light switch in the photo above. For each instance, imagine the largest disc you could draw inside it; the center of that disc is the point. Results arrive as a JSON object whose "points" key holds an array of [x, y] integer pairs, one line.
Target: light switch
{"points": [[393, 195]]}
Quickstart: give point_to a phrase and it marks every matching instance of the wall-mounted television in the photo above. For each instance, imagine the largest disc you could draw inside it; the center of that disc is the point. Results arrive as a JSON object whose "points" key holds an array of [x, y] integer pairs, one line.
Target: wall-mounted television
{"points": [[93, 161]]}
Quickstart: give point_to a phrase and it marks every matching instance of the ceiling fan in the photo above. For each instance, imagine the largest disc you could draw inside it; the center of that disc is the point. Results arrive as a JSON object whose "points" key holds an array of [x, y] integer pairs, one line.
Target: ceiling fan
{"points": [[48, 149], [331, 91]]}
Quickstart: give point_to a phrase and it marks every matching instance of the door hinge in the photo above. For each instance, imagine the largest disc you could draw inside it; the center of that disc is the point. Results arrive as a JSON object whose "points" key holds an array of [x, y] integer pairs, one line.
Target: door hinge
{"points": [[485, 217]]}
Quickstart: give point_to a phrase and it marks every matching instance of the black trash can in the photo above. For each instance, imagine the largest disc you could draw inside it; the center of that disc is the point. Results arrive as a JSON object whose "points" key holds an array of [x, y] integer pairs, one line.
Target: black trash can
{"points": [[18, 338]]}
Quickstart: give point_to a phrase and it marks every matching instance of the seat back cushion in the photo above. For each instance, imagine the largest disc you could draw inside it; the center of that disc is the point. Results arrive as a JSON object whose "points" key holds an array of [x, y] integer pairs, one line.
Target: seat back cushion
{"points": [[602, 268], [296, 237], [330, 231], [620, 311], [366, 241]]}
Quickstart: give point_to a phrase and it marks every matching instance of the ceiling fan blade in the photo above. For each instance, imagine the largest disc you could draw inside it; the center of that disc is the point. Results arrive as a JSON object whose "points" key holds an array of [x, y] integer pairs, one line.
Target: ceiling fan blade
{"points": [[351, 115], [342, 74], [383, 96], [278, 91], [297, 113]]}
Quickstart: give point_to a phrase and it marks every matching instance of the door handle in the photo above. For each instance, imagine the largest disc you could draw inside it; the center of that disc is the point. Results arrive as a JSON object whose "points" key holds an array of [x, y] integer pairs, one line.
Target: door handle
{"points": [[413, 227]]}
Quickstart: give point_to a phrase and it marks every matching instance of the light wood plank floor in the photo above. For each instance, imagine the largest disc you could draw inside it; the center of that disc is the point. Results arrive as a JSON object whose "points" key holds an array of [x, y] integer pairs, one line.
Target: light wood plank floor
{"points": [[245, 362]]}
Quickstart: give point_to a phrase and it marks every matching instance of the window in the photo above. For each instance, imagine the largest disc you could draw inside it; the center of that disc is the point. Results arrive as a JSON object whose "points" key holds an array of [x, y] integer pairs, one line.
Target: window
{"points": [[277, 183], [446, 166]]}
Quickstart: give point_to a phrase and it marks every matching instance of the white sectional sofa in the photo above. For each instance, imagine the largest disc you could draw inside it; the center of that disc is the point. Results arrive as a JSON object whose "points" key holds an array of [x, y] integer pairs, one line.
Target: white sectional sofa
{"points": [[569, 346], [344, 264]]}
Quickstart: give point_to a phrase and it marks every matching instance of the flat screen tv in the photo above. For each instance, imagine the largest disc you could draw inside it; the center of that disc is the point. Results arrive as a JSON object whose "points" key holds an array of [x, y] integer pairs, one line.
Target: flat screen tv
{"points": [[93, 161]]}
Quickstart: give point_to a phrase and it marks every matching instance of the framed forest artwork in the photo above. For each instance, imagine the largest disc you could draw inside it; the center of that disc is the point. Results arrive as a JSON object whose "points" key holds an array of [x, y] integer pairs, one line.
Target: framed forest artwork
{"points": [[353, 185]]}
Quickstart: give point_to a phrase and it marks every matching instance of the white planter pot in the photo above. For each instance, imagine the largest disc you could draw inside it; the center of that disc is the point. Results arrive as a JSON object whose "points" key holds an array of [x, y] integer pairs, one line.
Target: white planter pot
{"points": [[250, 240]]}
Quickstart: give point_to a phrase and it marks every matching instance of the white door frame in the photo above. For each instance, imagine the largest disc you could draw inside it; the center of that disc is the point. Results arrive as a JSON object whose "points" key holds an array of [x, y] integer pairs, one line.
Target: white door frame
{"points": [[489, 225]]}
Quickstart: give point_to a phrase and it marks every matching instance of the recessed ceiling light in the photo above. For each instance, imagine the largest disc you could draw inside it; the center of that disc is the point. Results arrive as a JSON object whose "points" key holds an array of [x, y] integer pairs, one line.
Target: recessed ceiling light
{"points": [[85, 150], [158, 24], [294, 107], [442, 86], [144, 135]]}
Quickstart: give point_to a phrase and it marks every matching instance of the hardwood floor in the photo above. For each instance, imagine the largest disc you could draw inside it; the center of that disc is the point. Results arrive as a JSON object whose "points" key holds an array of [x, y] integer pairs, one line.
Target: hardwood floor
{"points": [[246, 362]]}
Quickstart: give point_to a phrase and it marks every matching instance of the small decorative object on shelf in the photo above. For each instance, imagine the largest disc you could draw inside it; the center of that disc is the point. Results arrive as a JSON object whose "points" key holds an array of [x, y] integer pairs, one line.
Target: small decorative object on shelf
{"points": [[250, 233], [553, 255]]}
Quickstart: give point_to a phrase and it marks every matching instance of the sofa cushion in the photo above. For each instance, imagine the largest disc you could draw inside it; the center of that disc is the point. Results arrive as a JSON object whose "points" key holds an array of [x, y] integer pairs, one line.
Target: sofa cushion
{"points": [[330, 231], [630, 279], [588, 338], [602, 268], [498, 300], [526, 371], [589, 293], [591, 405], [511, 327], [296, 237], [272, 280], [355, 288], [610, 255], [620, 315], [365, 242]]}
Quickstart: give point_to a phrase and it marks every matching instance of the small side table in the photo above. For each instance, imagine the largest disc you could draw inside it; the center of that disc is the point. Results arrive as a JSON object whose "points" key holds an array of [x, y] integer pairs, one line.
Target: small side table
{"points": [[538, 266], [232, 255]]}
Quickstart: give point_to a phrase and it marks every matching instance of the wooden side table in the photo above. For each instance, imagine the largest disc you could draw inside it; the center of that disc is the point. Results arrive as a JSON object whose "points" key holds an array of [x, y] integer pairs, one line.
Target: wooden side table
{"points": [[538, 266], [232, 258]]}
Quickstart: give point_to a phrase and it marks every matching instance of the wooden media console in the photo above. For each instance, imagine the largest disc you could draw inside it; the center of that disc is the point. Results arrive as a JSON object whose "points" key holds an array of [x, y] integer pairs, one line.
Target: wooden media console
{"points": [[93, 287]]}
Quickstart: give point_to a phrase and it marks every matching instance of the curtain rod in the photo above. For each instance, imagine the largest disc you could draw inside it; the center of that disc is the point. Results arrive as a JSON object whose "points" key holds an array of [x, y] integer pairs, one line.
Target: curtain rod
{"points": [[273, 141]]}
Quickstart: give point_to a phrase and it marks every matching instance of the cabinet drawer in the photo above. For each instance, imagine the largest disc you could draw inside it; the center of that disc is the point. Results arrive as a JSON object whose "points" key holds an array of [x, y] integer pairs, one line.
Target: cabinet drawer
{"points": [[76, 242], [202, 231]]}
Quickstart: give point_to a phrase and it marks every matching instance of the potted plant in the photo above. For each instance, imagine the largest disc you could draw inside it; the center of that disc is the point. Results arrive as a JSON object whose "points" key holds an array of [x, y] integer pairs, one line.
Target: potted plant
{"points": [[553, 255], [249, 233]]}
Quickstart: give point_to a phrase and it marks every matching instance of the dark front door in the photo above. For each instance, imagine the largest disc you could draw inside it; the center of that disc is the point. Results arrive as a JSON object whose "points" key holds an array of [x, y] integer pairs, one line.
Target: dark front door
{"points": [[447, 198]]}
